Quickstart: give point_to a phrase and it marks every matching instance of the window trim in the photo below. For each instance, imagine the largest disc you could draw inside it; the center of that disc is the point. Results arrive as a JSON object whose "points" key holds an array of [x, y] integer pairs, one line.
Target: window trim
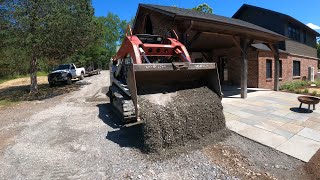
{"points": [[280, 69], [293, 67]]}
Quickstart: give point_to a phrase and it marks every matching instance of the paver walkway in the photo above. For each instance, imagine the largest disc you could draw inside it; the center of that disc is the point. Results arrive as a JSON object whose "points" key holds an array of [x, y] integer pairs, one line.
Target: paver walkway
{"points": [[271, 118]]}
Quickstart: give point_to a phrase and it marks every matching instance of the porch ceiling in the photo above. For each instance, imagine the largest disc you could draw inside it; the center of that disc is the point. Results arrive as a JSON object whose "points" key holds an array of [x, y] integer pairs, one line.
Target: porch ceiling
{"points": [[209, 41], [205, 22]]}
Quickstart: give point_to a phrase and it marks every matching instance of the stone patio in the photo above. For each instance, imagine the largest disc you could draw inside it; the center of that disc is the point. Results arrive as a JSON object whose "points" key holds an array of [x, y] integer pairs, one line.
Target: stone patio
{"points": [[273, 119]]}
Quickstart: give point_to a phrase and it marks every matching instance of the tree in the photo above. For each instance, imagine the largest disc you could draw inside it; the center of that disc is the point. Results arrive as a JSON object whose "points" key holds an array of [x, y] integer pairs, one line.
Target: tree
{"points": [[51, 29], [108, 33], [203, 8]]}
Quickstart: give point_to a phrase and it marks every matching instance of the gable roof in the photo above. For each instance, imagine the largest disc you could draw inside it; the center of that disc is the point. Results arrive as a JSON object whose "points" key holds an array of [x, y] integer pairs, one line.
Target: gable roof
{"points": [[196, 15], [246, 6]]}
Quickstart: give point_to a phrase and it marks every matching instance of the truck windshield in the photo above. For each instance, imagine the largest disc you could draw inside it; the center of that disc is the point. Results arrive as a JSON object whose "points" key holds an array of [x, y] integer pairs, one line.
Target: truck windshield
{"points": [[63, 66]]}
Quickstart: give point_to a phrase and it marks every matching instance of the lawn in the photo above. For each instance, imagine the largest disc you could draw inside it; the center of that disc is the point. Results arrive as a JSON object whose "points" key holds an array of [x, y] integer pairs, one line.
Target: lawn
{"points": [[17, 90], [5, 79]]}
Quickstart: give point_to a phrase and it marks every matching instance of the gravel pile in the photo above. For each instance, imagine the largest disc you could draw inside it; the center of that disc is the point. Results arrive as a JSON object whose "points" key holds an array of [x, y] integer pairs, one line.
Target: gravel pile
{"points": [[191, 114]]}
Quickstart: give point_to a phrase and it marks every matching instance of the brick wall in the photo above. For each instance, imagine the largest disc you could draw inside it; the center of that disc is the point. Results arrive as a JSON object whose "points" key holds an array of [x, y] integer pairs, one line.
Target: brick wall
{"points": [[287, 65], [234, 65]]}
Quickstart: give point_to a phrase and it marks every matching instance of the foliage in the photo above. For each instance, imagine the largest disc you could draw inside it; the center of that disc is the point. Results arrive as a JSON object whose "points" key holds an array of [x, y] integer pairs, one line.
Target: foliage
{"points": [[203, 8], [50, 29], [109, 31], [298, 91], [314, 93], [37, 35], [293, 85], [306, 91]]}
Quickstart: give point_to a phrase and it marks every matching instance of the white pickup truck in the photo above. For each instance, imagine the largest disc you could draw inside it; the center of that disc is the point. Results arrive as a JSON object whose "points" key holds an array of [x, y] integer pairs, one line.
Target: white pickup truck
{"points": [[65, 73]]}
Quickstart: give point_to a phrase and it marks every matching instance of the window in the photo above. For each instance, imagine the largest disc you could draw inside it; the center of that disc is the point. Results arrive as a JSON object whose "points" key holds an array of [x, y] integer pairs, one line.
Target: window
{"points": [[304, 37], [280, 68], [269, 69], [296, 68], [293, 33]]}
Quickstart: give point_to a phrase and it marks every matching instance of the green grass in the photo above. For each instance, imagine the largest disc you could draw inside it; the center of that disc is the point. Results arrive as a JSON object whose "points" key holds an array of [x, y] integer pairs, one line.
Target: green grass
{"points": [[5, 103], [8, 78]]}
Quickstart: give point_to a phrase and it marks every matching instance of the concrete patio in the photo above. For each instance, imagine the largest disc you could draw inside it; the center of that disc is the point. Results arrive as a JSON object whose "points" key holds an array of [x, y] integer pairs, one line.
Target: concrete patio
{"points": [[273, 119]]}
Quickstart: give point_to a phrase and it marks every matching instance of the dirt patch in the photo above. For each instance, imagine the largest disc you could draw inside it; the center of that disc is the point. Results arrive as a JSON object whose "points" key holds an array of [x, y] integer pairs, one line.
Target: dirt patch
{"points": [[247, 159], [8, 136], [313, 166], [236, 163], [190, 115], [23, 82], [13, 94]]}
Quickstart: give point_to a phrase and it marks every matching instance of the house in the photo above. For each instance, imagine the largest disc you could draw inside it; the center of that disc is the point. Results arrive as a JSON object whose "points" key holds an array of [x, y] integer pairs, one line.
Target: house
{"points": [[247, 55], [298, 52]]}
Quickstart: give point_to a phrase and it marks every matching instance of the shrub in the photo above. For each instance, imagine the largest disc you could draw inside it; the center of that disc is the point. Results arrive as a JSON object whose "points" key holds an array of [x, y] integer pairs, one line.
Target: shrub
{"points": [[291, 86], [291, 89], [314, 93], [298, 91], [306, 91], [317, 82]]}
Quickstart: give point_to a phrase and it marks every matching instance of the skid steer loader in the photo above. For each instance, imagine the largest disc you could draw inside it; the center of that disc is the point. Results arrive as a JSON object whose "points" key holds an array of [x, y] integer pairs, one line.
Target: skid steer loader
{"points": [[153, 62]]}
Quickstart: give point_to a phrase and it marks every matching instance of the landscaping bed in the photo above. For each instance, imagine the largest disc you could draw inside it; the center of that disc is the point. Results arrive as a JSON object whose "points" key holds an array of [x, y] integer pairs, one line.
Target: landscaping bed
{"points": [[302, 87]]}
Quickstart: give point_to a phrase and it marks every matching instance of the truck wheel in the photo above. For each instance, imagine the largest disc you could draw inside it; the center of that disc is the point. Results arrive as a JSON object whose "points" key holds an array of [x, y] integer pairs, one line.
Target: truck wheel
{"points": [[69, 80], [52, 84], [81, 76]]}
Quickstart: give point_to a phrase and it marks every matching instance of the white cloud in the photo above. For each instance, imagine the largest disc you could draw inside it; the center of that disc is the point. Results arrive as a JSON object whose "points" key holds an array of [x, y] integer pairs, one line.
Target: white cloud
{"points": [[313, 26]]}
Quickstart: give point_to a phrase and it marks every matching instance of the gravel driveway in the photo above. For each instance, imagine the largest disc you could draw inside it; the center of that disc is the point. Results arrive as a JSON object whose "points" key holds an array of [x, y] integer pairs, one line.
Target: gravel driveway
{"points": [[72, 137]]}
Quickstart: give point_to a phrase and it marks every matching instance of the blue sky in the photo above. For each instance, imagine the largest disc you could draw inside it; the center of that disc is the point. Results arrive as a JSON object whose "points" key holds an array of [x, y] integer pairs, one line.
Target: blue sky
{"points": [[304, 11]]}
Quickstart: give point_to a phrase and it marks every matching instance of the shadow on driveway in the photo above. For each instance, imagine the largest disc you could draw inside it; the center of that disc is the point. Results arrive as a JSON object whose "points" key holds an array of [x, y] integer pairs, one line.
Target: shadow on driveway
{"points": [[123, 136], [233, 91]]}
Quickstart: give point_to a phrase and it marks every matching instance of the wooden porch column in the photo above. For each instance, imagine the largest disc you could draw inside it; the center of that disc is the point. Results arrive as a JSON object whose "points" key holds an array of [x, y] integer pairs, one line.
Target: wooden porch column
{"points": [[243, 45], [275, 50]]}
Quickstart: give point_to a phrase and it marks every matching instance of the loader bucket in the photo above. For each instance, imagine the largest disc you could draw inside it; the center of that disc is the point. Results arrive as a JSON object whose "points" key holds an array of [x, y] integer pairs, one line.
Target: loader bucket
{"points": [[146, 79]]}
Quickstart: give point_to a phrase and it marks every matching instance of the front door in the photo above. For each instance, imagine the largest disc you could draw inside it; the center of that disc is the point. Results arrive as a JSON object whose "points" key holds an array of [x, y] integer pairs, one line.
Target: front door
{"points": [[223, 70]]}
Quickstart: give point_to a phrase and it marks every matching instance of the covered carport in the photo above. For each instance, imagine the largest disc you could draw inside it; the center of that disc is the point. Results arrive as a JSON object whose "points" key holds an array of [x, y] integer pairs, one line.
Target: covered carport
{"points": [[207, 34]]}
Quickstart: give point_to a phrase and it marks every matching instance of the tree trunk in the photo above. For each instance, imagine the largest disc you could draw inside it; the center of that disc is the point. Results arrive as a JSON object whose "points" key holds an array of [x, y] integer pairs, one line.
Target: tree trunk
{"points": [[33, 75]]}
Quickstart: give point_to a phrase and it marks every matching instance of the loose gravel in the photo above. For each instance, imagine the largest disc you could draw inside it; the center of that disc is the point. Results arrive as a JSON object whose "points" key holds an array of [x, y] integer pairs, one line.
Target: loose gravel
{"points": [[74, 136], [68, 137], [191, 114]]}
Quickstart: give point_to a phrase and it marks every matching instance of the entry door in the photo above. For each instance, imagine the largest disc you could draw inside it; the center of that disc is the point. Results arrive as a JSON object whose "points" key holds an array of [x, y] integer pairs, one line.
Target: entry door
{"points": [[223, 69]]}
